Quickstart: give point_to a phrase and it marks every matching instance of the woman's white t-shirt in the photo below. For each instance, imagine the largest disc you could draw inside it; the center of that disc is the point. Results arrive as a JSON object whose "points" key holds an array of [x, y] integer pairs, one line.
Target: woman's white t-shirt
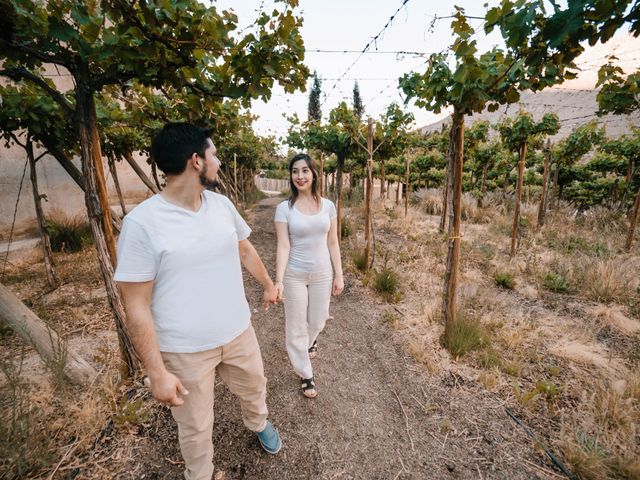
{"points": [[198, 300], [309, 251]]}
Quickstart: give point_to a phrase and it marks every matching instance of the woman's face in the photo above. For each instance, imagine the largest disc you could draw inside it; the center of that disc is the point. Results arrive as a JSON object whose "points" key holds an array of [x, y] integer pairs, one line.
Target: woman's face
{"points": [[302, 176]]}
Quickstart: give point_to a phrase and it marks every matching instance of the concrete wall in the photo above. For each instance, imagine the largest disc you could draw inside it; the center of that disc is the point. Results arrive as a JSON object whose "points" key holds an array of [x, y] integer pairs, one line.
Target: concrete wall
{"points": [[63, 196]]}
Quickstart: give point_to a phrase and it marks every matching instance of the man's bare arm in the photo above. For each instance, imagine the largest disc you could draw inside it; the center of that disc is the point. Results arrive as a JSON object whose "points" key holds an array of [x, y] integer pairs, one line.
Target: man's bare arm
{"points": [[137, 303], [252, 262]]}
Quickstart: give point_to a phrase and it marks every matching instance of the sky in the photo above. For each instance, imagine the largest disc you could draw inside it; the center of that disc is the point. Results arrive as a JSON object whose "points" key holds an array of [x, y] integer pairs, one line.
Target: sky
{"points": [[339, 25]]}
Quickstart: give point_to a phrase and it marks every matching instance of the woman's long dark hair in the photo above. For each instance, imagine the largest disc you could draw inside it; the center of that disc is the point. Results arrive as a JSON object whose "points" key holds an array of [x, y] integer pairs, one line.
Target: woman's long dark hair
{"points": [[314, 184]]}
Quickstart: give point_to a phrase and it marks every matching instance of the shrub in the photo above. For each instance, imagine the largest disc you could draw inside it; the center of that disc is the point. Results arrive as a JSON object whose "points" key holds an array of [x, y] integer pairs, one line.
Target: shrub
{"points": [[504, 280], [465, 335], [68, 234], [386, 283], [555, 282]]}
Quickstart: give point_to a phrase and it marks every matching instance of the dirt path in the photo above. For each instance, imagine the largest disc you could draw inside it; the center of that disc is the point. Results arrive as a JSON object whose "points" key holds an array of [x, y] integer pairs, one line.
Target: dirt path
{"points": [[378, 414]]}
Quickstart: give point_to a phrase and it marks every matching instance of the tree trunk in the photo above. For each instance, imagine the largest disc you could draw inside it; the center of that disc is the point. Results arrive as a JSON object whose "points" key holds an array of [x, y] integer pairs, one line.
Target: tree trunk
{"points": [[516, 213], [321, 174], [542, 208], [406, 186], [632, 221], [235, 178], [456, 145], [116, 183], [141, 175], [48, 344], [368, 196], [337, 193], [483, 187], [95, 200], [556, 175], [52, 276]]}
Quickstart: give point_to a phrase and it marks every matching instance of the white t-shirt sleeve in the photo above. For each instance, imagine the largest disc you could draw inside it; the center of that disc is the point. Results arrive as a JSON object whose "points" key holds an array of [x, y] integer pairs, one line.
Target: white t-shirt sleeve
{"points": [[282, 212], [242, 229], [332, 210], [136, 260]]}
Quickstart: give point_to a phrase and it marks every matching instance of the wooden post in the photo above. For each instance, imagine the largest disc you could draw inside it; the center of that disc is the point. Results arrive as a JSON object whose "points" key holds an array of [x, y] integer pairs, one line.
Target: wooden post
{"points": [[406, 186], [52, 276], [445, 197], [545, 180], [516, 213], [116, 183], [456, 142], [154, 173], [235, 177], [382, 179], [242, 185], [141, 175], [368, 196], [321, 173]]}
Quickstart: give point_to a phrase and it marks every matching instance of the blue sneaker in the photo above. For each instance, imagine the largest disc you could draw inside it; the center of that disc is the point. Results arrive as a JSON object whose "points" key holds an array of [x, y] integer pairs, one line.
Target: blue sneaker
{"points": [[270, 439]]}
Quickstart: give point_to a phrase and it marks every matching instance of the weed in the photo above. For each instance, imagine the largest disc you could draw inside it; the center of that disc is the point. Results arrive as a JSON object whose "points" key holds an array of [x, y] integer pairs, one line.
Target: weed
{"points": [[390, 319], [56, 362], [127, 412], [26, 447], [68, 234], [359, 260], [586, 456], [543, 389], [607, 280], [5, 329], [489, 380], [504, 280], [464, 336], [345, 227], [555, 282], [489, 359], [386, 283]]}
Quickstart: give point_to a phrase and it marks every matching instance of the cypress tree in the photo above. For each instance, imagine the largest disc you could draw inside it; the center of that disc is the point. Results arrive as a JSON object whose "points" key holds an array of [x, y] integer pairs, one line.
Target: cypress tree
{"points": [[358, 107], [314, 112]]}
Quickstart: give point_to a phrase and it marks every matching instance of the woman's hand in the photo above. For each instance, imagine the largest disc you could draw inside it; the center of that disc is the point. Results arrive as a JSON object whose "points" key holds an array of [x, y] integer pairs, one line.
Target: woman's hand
{"points": [[280, 289], [338, 286]]}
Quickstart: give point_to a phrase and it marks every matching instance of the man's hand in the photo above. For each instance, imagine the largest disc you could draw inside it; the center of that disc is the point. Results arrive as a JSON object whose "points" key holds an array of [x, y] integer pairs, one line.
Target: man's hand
{"points": [[165, 389], [270, 296], [338, 286]]}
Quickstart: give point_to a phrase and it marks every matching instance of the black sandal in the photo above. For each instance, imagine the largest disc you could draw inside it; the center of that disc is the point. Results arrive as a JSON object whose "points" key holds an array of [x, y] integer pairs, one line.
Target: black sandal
{"points": [[309, 388], [313, 349]]}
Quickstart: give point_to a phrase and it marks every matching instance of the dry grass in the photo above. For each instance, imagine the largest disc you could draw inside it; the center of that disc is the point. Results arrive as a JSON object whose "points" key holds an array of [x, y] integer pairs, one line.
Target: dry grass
{"points": [[599, 423]]}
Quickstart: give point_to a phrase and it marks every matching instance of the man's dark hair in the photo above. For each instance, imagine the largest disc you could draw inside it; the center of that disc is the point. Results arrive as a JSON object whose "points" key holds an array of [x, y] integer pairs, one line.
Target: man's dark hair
{"points": [[174, 145]]}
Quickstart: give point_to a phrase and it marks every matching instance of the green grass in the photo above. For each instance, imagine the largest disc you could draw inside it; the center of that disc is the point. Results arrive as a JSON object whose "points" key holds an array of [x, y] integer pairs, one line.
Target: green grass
{"points": [[68, 234], [464, 336], [555, 282], [504, 280], [359, 261], [386, 283]]}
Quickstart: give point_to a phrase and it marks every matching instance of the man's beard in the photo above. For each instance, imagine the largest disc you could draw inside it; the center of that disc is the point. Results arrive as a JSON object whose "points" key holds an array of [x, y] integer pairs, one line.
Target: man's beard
{"points": [[209, 184]]}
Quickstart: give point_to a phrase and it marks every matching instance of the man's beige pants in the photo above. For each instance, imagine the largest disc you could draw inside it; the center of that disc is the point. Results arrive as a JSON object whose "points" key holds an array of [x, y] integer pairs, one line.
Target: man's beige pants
{"points": [[239, 364]]}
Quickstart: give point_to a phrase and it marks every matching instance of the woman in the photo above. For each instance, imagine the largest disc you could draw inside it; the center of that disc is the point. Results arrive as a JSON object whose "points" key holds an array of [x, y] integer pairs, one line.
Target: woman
{"points": [[306, 228]]}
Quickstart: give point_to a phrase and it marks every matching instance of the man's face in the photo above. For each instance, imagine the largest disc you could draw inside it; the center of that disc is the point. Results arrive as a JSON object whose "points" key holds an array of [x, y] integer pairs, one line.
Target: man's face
{"points": [[209, 175]]}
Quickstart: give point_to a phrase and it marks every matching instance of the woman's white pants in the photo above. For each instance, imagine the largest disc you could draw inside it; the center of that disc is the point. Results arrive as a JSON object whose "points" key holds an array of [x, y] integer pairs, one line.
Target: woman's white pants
{"points": [[306, 309]]}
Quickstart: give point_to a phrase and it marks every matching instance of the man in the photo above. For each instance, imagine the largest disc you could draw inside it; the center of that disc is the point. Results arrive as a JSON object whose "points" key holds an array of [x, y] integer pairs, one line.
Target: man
{"points": [[179, 256]]}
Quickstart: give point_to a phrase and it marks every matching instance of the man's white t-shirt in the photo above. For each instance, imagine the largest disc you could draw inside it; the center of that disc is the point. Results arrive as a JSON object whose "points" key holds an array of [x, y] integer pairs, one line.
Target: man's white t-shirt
{"points": [[198, 299], [309, 251]]}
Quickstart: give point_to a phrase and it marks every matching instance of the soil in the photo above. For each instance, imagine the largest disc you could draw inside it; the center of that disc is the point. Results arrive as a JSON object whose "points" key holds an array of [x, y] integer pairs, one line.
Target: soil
{"points": [[379, 413]]}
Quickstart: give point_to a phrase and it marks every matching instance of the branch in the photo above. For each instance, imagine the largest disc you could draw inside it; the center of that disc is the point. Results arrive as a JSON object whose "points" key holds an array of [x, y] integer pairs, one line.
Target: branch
{"points": [[40, 55], [21, 73]]}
